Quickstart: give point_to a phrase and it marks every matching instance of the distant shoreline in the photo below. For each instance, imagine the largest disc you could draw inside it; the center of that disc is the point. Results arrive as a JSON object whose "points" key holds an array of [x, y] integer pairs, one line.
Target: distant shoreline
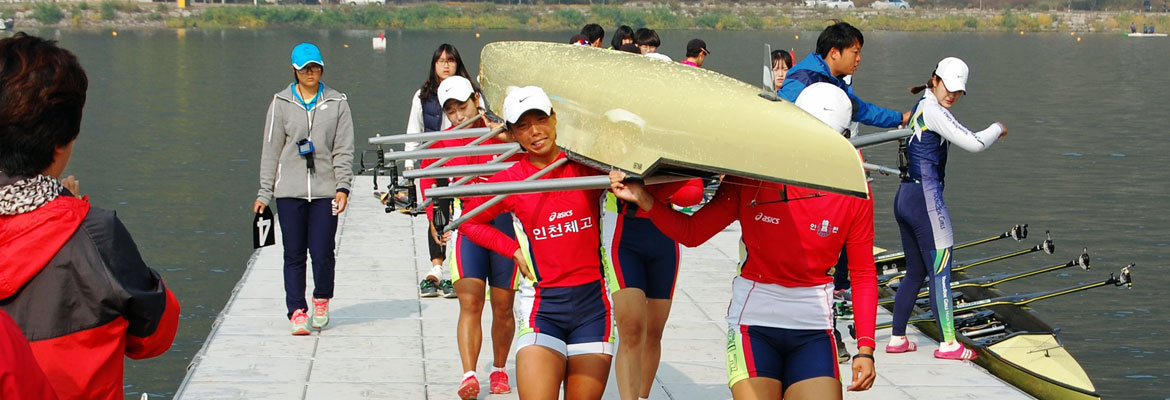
{"points": [[489, 16]]}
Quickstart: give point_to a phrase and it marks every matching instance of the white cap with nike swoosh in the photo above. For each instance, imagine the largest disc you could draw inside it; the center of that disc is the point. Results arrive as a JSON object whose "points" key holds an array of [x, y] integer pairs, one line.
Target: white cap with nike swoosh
{"points": [[455, 88], [953, 73], [521, 100], [828, 103]]}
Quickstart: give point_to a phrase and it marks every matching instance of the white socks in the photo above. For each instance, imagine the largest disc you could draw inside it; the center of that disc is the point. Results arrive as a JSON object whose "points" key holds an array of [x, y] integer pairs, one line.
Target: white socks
{"points": [[948, 346], [498, 369], [437, 272], [469, 374], [896, 341]]}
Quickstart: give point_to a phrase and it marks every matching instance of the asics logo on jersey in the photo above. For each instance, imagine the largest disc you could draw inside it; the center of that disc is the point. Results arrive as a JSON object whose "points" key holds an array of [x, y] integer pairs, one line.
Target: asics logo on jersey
{"points": [[766, 218], [824, 229], [557, 215]]}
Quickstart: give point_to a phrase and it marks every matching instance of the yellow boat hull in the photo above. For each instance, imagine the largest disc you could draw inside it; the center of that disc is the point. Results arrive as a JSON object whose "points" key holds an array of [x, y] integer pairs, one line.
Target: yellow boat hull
{"points": [[648, 117]]}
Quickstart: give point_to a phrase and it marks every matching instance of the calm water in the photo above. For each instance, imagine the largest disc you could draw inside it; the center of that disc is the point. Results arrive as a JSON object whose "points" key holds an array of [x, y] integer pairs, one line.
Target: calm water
{"points": [[172, 132]]}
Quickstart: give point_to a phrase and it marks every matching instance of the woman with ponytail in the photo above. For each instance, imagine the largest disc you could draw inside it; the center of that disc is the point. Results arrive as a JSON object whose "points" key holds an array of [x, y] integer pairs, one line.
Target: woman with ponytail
{"points": [[922, 216]]}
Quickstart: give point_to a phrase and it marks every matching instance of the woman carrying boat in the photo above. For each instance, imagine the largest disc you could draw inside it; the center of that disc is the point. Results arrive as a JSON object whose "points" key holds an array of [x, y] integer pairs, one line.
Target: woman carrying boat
{"points": [[780, 342], [922, 216], [426, 115], [565, 337], [641, 268], [306, 165], [474, 267]]}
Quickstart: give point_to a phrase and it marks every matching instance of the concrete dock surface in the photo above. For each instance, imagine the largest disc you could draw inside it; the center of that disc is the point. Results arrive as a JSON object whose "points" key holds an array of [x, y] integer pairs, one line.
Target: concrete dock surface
{"points": [[385, 342]]}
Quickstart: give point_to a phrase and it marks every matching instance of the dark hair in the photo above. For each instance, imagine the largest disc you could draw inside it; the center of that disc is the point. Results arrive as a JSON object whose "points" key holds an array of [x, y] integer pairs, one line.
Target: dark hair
{"points": [[42, 92], [696, 47], [838, 36], [648, 37], [623, 32], [630, 47], [431, 86], [593, 32], [782, 55], [929, 85], [578, 38]]}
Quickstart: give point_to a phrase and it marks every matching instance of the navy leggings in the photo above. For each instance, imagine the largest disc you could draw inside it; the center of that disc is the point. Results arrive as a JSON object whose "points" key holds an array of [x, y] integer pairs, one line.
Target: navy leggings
{"points": [[306, 225], [927, 239]]}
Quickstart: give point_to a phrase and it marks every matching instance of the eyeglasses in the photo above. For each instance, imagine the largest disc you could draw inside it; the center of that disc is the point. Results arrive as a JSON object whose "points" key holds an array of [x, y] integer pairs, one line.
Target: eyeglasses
{"points": [[312, 69]]}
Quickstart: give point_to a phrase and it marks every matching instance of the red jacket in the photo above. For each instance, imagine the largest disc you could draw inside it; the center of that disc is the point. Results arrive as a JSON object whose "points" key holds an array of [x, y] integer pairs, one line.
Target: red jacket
{"points": [[20, 375], [73, 280], [790, 243]]}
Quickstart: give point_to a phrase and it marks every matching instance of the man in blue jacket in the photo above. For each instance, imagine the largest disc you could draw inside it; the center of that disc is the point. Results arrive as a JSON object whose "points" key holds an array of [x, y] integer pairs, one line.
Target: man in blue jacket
{"points": [[838, 55]]}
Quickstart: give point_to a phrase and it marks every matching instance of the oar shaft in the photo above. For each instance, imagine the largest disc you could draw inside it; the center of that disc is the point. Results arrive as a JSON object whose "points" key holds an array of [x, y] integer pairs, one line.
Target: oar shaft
{"points": [[462, 181], [496, 200], [972, 263], [872, 139], [1017, 300], [454, 133], [452, 151], [482, 138], [1001, 278]]}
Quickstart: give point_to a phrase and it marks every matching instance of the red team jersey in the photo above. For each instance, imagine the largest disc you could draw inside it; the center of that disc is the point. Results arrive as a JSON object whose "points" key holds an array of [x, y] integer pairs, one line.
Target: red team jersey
{"points": [[557, 230], [789, 243]]}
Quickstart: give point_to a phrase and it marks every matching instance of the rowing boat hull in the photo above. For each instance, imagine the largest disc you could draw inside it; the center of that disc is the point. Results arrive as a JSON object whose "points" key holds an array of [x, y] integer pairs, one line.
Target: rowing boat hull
{"points": [[1058, 376], [1146, 34], [650, 117]]}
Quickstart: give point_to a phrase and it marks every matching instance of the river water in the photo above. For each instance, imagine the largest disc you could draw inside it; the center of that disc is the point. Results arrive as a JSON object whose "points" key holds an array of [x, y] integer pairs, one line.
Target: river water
{"points": [[173, 125]]}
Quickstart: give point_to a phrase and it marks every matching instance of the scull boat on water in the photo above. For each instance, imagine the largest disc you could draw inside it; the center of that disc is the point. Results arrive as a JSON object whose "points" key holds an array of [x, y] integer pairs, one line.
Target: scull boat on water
{"points": [[1013, 343]]}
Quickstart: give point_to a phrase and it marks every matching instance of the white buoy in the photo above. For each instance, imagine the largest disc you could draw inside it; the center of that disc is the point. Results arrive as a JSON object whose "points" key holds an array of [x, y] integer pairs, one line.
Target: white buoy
{"points": [[379, 42]]}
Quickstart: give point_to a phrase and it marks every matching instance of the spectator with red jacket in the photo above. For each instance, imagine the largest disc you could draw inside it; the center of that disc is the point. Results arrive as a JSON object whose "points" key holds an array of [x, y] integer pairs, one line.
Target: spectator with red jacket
{"points": [[70, 274]]}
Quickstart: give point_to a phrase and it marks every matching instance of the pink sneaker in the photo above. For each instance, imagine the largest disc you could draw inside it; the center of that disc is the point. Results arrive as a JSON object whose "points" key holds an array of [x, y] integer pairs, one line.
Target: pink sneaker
{"points": [[498, 383], [961, 353], [906, 346], [300, 323], [469, 389]]}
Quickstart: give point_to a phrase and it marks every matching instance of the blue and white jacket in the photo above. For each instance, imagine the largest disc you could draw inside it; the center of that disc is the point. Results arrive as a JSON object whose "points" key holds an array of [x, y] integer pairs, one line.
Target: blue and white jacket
{"points": [[812, 69]]}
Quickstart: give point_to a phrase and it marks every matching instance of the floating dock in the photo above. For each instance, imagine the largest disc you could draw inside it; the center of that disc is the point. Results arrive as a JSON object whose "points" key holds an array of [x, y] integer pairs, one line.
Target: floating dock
{"points": [[385, 342]]}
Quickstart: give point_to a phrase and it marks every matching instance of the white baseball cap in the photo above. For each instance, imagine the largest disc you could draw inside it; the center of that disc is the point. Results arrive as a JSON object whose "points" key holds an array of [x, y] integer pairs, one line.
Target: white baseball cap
{"points": [[828, 103], [455, 88], [521, 100], [953, 72]]}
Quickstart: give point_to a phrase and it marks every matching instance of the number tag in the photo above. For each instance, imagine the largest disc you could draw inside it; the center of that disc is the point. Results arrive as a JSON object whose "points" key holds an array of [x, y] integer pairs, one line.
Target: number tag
{"points": [[262, 232]]}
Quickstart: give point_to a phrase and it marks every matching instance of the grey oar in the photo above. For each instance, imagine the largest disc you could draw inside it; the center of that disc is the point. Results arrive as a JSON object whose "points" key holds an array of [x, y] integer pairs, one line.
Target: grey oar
{"points": [[1018, 232], [429, 138], [495, 200], [467, 178], [1122, 279], [453, 151], [992, 280], [458, 170], [530, 185], [1047, 246], [873, 139]]}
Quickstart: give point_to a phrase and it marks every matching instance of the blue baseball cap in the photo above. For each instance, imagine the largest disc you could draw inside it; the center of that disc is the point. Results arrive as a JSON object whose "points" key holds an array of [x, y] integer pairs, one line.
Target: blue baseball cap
{"points": [[304, 54]]}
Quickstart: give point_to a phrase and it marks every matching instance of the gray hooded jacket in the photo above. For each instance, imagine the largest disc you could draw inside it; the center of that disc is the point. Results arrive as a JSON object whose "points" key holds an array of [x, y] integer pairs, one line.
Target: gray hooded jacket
{"points": [[283, 172]]}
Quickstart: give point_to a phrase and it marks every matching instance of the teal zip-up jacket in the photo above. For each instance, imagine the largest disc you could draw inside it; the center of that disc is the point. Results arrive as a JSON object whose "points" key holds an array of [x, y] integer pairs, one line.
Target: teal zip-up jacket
{"points": [[283, 172]]}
